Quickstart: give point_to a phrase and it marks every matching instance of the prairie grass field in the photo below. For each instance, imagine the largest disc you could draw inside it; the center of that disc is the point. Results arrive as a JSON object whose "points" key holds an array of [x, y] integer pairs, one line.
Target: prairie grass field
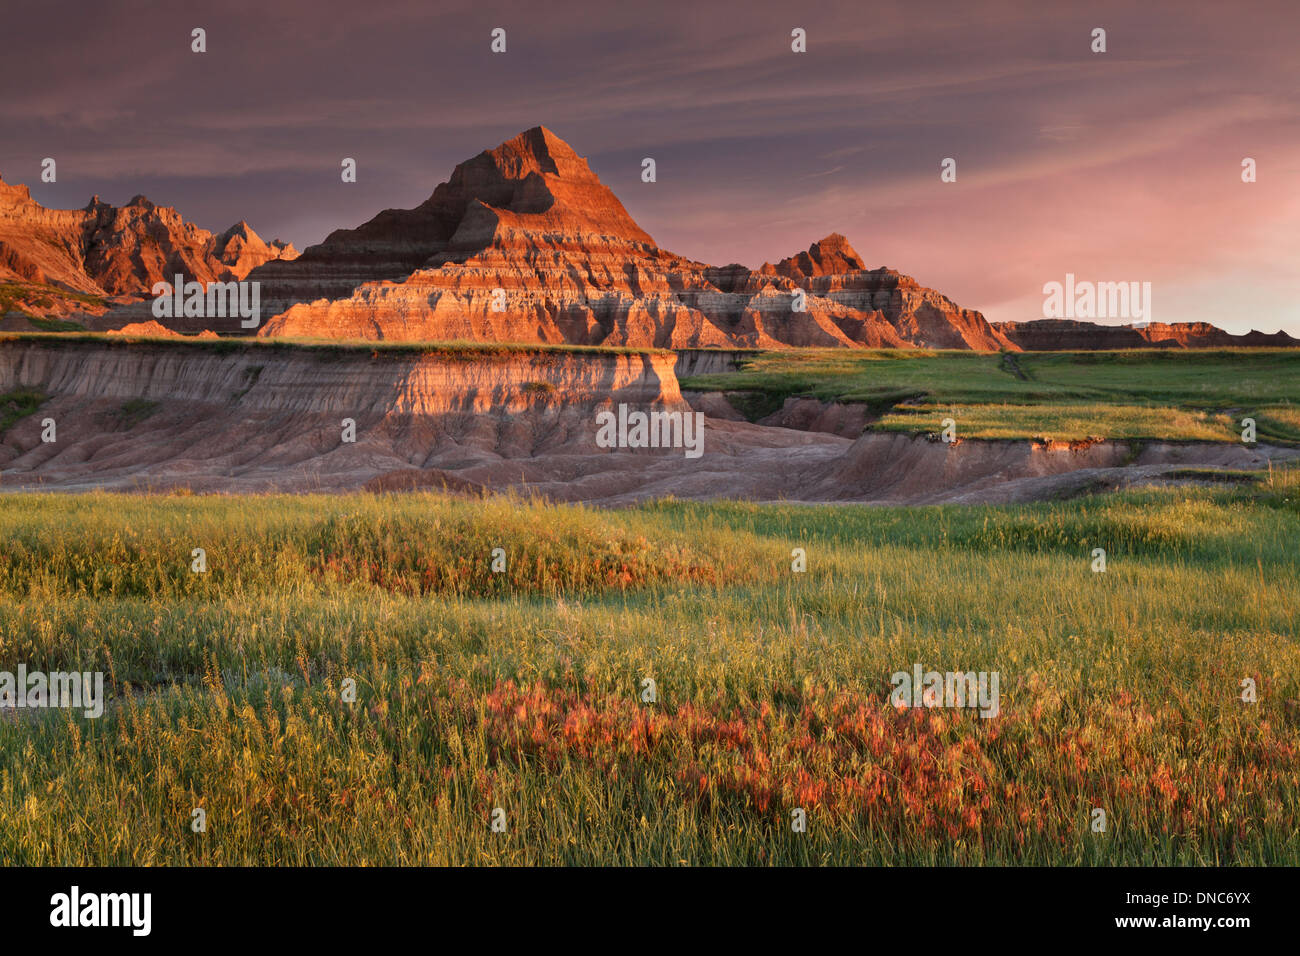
{"points": [[523, 690], [1171, 394]]}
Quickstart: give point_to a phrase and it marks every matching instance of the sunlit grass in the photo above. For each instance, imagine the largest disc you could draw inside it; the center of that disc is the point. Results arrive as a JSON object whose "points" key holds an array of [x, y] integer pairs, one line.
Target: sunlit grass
{"points": [[523, 690], [1065, 422], [1173, 394]]}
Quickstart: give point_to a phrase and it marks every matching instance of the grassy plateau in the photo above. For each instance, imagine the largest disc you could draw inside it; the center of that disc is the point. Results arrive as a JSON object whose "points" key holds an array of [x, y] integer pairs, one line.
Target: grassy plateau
{"points": [[1174, 394], [524, 690]]}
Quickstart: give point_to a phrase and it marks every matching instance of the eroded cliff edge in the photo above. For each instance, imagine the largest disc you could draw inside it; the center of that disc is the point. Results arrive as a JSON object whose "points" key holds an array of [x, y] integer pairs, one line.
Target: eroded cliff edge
{"points": [[259, 416]]}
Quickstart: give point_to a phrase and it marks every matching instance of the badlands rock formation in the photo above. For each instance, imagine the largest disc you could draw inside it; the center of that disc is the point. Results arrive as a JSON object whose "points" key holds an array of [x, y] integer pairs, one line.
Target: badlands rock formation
{"points": [[252, 416], [522, 244], [106, 250], [152, 329], [1052, 335], [241, 250], [532, 220]]}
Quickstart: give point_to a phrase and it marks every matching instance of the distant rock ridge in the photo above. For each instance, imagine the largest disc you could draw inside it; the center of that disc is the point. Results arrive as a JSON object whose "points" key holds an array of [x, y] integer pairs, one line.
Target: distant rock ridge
{"points": [[531, 219], [103, 249], [1060, 335], [523, 243]]}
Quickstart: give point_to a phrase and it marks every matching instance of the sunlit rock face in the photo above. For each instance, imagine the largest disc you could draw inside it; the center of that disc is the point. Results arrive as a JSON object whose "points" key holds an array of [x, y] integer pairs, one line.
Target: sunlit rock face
{"points": [[104, 249], [525, 244]]}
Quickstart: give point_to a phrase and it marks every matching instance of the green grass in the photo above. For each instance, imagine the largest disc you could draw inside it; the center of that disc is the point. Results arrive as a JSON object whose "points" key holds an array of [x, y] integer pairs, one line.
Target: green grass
{"points": [[135, 411], [55, 325], [521, 690], [17, 405], [1191, 395], [14, 294], [1067, 422]]}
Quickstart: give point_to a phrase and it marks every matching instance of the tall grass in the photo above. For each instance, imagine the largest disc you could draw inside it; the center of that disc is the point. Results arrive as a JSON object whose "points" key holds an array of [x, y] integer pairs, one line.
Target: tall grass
{"points": [[523, 690]]}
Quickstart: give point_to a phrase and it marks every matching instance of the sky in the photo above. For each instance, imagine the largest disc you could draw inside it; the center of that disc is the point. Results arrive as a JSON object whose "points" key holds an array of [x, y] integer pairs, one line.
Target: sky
{"points": [[1122, 166]]}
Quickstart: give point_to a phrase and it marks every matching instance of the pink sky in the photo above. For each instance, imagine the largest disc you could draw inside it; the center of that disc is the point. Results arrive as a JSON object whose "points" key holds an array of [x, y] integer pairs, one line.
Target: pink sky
{"points": [[1117, 166]]}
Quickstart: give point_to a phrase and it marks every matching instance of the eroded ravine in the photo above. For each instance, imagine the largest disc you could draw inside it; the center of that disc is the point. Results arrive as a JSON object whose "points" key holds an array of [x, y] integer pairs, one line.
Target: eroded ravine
{"points": [[248, 417]]}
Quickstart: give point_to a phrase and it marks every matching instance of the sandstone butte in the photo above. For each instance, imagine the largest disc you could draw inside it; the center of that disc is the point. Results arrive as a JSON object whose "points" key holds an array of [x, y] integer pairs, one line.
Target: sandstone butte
{"points": [[531, 218], [104, 250]]}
